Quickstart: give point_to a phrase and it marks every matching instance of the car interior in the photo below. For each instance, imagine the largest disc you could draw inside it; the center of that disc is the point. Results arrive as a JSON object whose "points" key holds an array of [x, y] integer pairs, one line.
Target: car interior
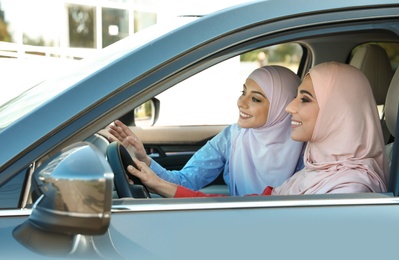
{"points": [[391, 114], [373, 61], [370, 58]]}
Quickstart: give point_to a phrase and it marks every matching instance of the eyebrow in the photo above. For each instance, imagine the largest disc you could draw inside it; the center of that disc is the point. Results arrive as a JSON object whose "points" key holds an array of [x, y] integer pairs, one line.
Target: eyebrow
{"points": [[255, 92], [305, 92]]}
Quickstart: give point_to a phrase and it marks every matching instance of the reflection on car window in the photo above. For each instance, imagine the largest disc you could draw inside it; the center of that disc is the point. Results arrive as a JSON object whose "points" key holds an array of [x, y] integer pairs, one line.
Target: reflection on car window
{"points": [[11, 190], [209, 97]]}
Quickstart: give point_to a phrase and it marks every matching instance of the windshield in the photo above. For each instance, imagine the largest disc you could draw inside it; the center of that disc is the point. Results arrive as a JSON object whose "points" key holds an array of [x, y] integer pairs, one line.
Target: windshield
{"points": [[30, 99]]}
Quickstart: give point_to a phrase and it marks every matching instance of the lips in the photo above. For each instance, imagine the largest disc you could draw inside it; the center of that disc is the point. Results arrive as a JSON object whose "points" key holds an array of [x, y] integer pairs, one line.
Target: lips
{"points": [[296, 123], [242, 114]]}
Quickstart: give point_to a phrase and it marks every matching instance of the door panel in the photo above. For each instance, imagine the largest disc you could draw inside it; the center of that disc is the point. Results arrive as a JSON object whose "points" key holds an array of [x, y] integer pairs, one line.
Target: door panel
{"points": [[177, 135]]}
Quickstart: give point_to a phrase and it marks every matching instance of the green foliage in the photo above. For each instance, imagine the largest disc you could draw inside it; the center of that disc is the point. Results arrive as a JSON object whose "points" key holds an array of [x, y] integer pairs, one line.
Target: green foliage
{"points": [[277, 53], [392, 50], [4, 34]]}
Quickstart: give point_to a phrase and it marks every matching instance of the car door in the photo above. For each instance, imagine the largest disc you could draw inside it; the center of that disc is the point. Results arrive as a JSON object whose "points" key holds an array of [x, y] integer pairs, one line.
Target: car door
{"points": [[310, 227]]}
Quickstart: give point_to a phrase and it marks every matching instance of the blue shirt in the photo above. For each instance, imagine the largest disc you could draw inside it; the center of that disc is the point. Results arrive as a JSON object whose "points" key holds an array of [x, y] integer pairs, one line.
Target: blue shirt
{"points": [[204, 166]]}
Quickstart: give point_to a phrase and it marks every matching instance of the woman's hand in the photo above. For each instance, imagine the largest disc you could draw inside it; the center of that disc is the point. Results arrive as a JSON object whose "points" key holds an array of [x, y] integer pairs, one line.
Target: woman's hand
{"points": [[122, 134], [149, 179]]}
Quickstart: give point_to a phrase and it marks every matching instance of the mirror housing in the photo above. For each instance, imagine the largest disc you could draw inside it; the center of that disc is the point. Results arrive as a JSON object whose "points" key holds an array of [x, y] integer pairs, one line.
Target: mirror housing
{"points": [[74, 197], [75, 192]]}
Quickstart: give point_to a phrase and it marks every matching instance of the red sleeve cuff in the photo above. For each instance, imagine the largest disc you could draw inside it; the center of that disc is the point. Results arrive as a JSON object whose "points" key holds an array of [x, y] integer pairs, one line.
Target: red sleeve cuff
{"points": [[267, 191], [183, 192]]}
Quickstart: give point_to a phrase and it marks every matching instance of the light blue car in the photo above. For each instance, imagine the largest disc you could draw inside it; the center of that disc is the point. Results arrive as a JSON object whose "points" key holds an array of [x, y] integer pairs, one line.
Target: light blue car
{"points": [[60, 197]]}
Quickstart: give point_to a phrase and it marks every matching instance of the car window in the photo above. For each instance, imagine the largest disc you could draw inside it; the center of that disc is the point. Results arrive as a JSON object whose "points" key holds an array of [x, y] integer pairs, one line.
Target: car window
{"points": [[209, 97]]}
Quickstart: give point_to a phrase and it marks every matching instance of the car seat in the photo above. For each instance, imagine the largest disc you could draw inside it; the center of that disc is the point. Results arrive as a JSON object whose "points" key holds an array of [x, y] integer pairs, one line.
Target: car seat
{"points": [[391, 114], [373, 61]]}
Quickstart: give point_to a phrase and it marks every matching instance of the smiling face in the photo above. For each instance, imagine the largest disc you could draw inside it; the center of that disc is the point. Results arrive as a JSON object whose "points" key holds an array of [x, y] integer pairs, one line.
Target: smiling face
{"points": [[304, 110], [253, 106]]}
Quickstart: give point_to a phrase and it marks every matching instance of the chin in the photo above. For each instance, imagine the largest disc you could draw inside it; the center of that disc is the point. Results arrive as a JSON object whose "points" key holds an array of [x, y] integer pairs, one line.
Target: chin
{"points": [[242, 125], [297, 138], [300, 139]]}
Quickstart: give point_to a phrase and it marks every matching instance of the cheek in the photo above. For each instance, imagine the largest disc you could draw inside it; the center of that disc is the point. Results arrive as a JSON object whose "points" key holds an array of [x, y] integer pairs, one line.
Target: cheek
{"points": [[262, 114], [266, 115], [312, 121], [314, 114]]}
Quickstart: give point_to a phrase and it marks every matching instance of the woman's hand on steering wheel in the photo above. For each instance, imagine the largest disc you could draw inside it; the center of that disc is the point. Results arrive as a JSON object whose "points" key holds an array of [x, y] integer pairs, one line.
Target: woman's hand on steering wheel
{"points": [[150, 180]]}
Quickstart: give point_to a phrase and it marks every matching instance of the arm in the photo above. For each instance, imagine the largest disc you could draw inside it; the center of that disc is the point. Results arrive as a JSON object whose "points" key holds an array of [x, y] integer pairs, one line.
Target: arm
{"points": [[169, 190], [202, 168], [154, 183]]}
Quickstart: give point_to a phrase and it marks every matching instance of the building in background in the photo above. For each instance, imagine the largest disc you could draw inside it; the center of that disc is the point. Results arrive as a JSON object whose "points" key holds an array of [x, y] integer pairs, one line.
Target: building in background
{"points": [[41, 38], [71, 29]]}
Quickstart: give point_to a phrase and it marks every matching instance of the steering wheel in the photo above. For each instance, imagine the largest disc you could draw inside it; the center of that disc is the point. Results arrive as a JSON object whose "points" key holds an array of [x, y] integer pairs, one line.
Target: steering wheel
{"points": [[119, 159]]}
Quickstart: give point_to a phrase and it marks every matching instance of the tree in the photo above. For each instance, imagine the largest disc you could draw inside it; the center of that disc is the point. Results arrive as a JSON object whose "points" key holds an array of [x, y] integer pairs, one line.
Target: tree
{"points": [[4, 34]]}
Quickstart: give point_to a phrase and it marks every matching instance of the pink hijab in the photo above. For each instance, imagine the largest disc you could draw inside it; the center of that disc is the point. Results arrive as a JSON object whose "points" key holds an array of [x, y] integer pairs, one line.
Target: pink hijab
{"points": [[346, 153], [266, 156]]}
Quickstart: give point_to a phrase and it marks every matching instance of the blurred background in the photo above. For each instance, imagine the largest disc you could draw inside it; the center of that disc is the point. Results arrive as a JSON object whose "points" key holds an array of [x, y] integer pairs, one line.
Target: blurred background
{"points": [[41, 37]]}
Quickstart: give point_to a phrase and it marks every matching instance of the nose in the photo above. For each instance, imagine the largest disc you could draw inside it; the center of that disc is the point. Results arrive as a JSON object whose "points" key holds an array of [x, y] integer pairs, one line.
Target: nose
{"points": [[242, 102], [292, 107]]}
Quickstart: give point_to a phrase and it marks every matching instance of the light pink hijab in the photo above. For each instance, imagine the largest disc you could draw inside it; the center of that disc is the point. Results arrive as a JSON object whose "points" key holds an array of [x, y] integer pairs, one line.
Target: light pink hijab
{"points": [[266, 156], [346, 153]]}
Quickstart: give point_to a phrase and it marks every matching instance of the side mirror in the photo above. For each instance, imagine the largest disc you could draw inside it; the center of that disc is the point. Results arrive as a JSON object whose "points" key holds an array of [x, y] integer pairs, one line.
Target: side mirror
{"points": [[74, 196], [144, 115]]}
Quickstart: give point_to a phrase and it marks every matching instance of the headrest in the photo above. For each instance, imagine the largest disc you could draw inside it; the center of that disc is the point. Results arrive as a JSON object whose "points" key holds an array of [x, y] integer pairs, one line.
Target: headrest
{"points": [[373, 61], [392, 102]]}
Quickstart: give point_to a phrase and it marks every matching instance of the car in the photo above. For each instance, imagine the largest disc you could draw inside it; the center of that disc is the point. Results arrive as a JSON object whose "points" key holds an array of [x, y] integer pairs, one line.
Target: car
{"points": [[58, 192]]}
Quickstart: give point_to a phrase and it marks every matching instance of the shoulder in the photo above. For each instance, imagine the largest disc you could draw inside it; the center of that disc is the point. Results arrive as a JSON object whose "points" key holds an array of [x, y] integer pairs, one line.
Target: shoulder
{"points": [[228, 132], [233, 128]]}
